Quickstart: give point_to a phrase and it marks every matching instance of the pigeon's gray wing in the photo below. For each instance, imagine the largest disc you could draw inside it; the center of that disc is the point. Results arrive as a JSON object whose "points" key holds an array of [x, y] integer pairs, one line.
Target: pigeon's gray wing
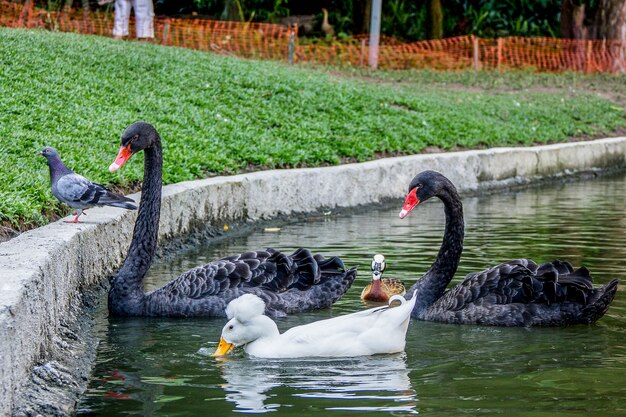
{"points": [[77, 191]]}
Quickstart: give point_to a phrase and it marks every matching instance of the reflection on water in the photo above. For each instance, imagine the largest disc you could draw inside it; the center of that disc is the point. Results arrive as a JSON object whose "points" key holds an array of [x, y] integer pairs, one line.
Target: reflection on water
{"points": [[248, 386], [381, 382], [153, 366]]}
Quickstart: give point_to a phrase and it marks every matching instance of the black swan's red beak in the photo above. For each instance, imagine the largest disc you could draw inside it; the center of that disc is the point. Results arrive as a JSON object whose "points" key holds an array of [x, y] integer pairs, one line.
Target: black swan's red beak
{"points": [[410, 203], [124, 155]]}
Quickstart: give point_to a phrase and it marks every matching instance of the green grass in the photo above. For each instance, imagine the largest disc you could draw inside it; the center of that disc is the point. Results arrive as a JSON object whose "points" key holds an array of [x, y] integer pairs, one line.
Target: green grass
{"points": [[500, 81], [221, 115]]}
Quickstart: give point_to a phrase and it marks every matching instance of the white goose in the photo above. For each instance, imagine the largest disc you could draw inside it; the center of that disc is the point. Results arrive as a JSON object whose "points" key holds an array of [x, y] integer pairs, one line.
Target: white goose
{"points": [[368, 332]]}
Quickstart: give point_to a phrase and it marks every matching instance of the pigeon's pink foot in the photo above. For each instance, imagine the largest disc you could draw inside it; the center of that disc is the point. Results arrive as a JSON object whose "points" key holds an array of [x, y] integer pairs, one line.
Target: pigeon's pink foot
{"points": [[75, 219]]}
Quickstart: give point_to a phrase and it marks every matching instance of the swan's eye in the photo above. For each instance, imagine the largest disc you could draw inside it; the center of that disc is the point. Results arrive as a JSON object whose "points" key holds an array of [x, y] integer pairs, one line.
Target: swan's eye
{"points": [[230, 327], [130, 141]]}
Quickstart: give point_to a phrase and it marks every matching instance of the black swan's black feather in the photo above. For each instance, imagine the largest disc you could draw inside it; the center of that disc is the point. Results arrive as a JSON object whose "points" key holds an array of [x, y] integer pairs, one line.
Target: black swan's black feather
{"points": [[514, 293], [287, 283]]}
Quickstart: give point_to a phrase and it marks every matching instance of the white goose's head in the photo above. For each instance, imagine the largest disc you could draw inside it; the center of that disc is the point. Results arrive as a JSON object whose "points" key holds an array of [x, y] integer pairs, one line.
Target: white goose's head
{"points": [[247, 323], [378, 266]]}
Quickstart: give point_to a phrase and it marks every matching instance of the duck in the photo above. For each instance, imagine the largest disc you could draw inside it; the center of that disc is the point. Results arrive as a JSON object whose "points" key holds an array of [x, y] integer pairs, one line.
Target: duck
{"points": [[379, 330], [514, 293], [287, 283], [77, 191], [381, 289]]}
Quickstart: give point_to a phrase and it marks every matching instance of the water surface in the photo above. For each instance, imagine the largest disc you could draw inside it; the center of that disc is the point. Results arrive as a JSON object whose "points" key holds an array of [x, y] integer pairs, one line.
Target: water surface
{"points": [[159, 366]]}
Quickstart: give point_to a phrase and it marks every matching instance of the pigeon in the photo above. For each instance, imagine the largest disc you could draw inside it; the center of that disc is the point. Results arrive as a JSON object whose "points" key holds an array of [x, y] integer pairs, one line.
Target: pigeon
{"points": [[77, 191]]}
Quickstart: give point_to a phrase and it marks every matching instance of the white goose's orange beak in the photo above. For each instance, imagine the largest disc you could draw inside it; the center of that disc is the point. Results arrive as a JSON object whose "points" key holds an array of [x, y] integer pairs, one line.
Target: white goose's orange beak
{"points": [[224, 348], [123, 155]]}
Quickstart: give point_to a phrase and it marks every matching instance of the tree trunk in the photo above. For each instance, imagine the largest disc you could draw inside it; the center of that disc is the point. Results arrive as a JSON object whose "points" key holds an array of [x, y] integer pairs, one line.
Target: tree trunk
{"points": [[611, 25], [611, 19], [232, 11], [435, 19], [573, 27], [361, 15], [573, 20]]}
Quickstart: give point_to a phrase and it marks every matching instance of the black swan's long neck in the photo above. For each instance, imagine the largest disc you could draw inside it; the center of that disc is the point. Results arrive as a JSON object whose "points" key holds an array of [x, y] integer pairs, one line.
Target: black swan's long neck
{"points": [[433, 284], [127, 288]]}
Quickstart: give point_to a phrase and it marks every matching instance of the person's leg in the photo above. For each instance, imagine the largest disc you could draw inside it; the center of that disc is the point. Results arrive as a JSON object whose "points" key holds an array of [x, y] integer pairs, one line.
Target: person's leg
{"points": [[122, 15], [144, 15]]}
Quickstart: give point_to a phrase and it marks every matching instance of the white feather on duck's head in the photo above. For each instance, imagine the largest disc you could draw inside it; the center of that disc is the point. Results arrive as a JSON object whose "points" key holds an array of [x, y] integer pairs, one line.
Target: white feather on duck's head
{"points": [[245, 308], [246, 323], [378, 266]]}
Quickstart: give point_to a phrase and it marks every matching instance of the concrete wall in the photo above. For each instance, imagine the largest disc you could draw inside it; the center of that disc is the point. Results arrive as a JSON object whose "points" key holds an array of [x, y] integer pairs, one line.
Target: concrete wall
{"points": [[42, 272]]}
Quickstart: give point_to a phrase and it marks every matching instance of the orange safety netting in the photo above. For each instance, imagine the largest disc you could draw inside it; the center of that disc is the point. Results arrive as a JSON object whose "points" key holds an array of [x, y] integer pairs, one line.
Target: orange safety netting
{"points": [[272, 41]]}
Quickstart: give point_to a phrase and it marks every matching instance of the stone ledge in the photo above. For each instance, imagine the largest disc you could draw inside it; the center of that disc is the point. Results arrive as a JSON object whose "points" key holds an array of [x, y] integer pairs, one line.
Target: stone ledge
{"points": [[43, 271]]}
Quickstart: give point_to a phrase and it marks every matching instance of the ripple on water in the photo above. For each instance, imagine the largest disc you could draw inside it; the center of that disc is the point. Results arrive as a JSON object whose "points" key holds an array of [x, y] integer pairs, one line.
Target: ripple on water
{"points": [[161, 367]]}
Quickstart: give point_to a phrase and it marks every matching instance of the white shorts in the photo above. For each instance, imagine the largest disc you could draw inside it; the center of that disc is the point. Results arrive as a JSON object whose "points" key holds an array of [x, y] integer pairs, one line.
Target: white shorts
{"points": [[144, 17]]}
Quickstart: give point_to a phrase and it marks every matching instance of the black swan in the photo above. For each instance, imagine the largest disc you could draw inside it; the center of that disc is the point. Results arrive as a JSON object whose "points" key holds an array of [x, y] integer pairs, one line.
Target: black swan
{"points": [[515, 293], [77, 191], [286, 283]]}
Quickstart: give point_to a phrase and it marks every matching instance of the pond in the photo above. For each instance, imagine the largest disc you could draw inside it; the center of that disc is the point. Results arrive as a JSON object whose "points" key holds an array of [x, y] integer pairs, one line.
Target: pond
{"points": [[159, 367]]}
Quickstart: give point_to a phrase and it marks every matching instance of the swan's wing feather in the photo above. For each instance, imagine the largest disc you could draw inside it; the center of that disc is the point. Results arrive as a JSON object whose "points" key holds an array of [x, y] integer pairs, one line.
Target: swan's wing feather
{"points": [[202, 281], [287, 283], [505, 283], [559, 282], [277, 271], [221, 275], [268, 269], [300, 270], [520, 281]]}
